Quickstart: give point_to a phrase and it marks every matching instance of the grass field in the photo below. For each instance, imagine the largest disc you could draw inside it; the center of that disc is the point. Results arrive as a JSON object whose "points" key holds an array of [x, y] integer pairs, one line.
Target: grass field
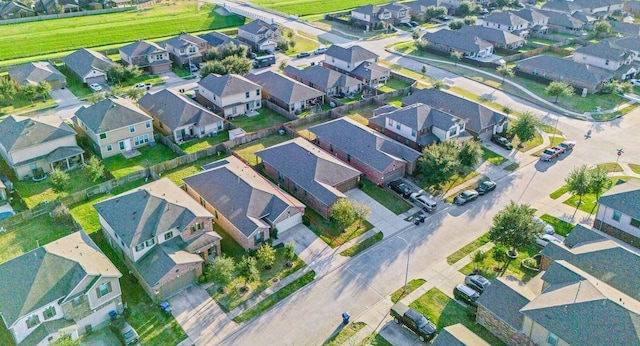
{"points": [[43, 37], [309, 7]]}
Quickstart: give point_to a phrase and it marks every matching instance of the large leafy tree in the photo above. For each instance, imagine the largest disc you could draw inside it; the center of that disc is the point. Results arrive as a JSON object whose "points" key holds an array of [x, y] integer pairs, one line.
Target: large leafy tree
{"points": [[248, 269], [362, 211], [602, 28], [599, 181], [514, 226], [558, 89], [578, 182], [439, 162], [434, 12], [94, 169], [525, 127], [43, 89], [222, 271], [266, 255], [469, 155], [344, 212]]}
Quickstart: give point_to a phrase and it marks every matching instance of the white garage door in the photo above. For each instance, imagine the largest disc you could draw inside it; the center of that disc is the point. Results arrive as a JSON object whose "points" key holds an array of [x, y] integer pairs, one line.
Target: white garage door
{"points": [[288, 223]]}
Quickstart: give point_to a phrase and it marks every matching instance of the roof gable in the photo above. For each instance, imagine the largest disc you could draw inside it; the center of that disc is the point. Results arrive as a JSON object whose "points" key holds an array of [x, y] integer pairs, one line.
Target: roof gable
{"points": [[111, 114], [354, 54], [227, 85], [22, 132], [142, 48], [284, 88], [83, 61], [175, 110], [624, 197]]}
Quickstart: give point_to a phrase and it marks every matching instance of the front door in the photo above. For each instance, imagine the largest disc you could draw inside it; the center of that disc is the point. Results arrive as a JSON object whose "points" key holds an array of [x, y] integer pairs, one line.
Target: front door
{"points": [[127, 144]]}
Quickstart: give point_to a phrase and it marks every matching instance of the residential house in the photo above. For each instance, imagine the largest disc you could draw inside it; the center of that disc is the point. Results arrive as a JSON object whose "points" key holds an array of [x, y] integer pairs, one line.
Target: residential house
{"points": [[218, 41], [609, 56], [66, 287], [260, 36], [632, 7], [40, 143], [88, 65], [309, 173], [177, 116], [631, 43], [418, 8], [14, 9], [537, 20], [114, 125], [551, 68], [418, 125], [186, 49], [161, 233], [375, 17], [458, 335], [379, 157], [588, 20], [626, 29], [246, 205], [35, 72], [448, 41], [331, 82], [480, 121], [357, 62], [286, 93], [619, 212], [496, 37], [583, 280], [508, 21], [146, 55], [564, 23], [599, 8], [230, 95]]}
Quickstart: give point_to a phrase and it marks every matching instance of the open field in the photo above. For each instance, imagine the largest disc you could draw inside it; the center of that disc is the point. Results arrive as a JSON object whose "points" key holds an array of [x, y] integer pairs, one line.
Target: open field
{"points": [[306, 7], [57, 35]]}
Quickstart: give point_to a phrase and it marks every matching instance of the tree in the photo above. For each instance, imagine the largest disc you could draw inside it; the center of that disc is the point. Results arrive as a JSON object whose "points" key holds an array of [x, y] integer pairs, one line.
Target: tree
{"points": [[456, 25], [115, 91], [577, 182], [209, 68], [434, 12], [289, 252], [525, 127], [625, 88], [469, 156], [415, 34], [29, 91], [344, 213], [232, 49], [362, 211], [292, 43], [116, 73], [266, 255], [43, 89], [558, 89], [95, 98], [135, 94], [599, 181], [438, 84], [131, 72], [464, 9], [221, 271], [514, 226], [505, 71], [478, 258], [8, 88], [237, 64], [470, 20], [439, 162], [94, 169], [602, 28], [457, 56], [58, 180], [66, 341], [248, 269]]}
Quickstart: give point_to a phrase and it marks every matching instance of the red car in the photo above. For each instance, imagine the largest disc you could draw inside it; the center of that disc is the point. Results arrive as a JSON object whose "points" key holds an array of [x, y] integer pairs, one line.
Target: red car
{"points": [[549, 154]]}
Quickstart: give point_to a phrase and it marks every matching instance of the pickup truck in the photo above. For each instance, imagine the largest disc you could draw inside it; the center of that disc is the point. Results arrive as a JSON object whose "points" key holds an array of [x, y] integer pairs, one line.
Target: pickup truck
{"points": [[413, 320]]}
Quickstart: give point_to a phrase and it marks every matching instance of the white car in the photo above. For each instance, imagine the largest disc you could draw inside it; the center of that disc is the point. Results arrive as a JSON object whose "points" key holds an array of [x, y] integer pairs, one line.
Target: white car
{"points": [[95, 86], [544, 239], [548, 229], [635, 82], [142, 86]]}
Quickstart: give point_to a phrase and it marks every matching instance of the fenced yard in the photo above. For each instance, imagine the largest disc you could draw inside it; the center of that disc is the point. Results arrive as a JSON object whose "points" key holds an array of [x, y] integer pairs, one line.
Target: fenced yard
{"points": [[265, 119], [119, 166]]}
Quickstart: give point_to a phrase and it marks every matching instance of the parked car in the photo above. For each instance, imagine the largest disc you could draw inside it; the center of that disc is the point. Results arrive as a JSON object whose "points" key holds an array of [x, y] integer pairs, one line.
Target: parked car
{"points": [[466, 294], [466, 196], [414, 23], [123, 330], [142, 86], [193, 68], [478, 282], [424, 201], [406, 25], [320, 50], [503, 142], [635, 82], [549, 154], [544, 239], [485, 187], [400, 187], [303, 55], [95, 86], [548, 229], [413, 320], [567, 145]]}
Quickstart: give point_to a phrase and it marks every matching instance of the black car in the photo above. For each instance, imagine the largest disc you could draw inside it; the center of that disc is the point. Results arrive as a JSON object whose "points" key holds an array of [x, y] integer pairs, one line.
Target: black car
{"points": [[466, 294], [485, 187], [413, 23], [466, 196], [303, 55], [503, 142], [414, 320], [401, 188], [477, 282]]}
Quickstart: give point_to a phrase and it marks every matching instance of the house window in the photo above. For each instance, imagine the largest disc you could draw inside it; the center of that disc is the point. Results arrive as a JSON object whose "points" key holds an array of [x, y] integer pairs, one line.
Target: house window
{"points": [[247, 94], [635, 223], [49, 312], [103, 289], [616, 215], [453, 131], [258, 238], [168, 235], [606, 62], [202, 201], [103, 136], [132, 128], [192, 50], [348, 157], [159, 57], [280, 176], [147, 124], [219, 125], [390, 122], [121, 144], [234, 111], [33, 321], [139, 247], [109, 147], [552, 339], [150, 242], [398, 126], [200, 225], [139, 140], [413, 132]]}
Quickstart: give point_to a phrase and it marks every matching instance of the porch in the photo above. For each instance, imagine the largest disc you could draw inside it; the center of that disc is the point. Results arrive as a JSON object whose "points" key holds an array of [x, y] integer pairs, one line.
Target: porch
{"points": [[66, 158]]}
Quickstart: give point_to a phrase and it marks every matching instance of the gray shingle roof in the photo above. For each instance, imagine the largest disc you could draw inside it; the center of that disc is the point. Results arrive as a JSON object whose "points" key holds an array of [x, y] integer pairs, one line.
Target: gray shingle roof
{"points": [[491, 34], [22, 132], [175, 110], [111, 114], [371, 10], [458, 335], [627, 29], [229, 84], [456, 39], [566, 67], [321, 76], [478, 117], [504, 302], [312, 169], [183, 41], [580, 234], [49, 273], [364, 144], [531, 15], [507, 18], [142, 48], [419, 117], [369, 70], [35, 72], [83, 61], [284, 88], [561, 5], [242, 195], [630, 43], [353, 54], [605, 50], [162, 258], [624, 198], [216, 39], [257, 27], [563, 19]]}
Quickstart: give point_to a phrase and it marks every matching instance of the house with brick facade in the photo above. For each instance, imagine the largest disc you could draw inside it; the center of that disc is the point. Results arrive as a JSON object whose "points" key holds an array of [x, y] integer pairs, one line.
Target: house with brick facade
{"points": [[379, 157], [246, 205], [619, 212], [66, 287], [309, 173], [287, 93], [331, 82], [161, 233]]}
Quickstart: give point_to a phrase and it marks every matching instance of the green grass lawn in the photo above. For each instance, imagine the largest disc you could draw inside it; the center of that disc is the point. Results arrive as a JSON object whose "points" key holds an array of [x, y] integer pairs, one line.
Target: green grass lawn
{"points": [[77, 87], [512, 167], [559, 192], [493, 158], [552, 143], [229, 246], [392, 85], [456, 180], [550, 129], [635, 168], [22, 104], [177, 174], [6, 339], [589, 200], [385, 197], [375, 339], [247, 151], [57, 35], [34, 193], [330, 232], [265, 119], [490, 266], [304, 43], [363, 245], [180, 71], [344, 334], [610, 167], [561, 227], [149, 156], [205, 142], [444, 311], [467, 249], [411, 286], [536, 141], [26, 236], [304, 8]]}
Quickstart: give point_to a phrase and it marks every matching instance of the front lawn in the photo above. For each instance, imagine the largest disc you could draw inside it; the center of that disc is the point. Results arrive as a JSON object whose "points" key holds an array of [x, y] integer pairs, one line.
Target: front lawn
{"points": [[589, 201], [512, 167], [490, 267], [610, 167], [444, 311], [456, 180], [492, 157], [22, 104], [468, 249], [27, 235], [77, 87], [265, 119], [302, 43], [344, 334], [561, 227], [555, 141], [559, 192], [392, 85], [247, 151], [411, 286], [635, 168], [363, 245], [149, 156], [385, 197], [329, 230], [34, 193], [536, 141], [207, 142]]}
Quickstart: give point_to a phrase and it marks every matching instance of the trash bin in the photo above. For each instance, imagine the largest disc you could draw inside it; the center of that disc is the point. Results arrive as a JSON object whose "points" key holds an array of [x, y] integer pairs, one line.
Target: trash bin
{"points": [[345, 318]]}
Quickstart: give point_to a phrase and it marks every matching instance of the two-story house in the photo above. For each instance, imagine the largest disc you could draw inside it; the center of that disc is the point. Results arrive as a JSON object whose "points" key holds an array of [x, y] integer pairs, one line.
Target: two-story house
{"points": [[619, 212], [161, 233], [28, 145], [246, 205], [230, 95], [564, 23], [66, 287], [331, 82], [599, 8], [178, 116], [448, 41], [374, 16], [114, 125], [88, 65], [537, 20], [507, 21], [609, 56], [15, 9], [260, 35], [218, 41], [287, 93], [358, 63], [146, 55], [186, 49], [35, 72]]}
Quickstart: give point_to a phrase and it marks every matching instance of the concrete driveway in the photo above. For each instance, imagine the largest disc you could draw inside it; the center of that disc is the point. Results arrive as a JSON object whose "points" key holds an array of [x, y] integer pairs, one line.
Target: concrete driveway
{"points": [[64, 97]]}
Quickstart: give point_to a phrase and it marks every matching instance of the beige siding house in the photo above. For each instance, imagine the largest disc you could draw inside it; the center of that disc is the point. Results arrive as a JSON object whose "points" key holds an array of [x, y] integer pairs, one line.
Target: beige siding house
{"points": [[230, 95], [114, 125], [146, 55]]}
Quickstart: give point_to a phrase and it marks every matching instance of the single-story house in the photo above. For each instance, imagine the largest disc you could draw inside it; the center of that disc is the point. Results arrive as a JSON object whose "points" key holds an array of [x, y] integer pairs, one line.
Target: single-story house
{"points": [[449, 41], [219, 41], [288, 94], [580, 76], [35, 72], [619, 212], [329, 81], [498, 38], [88, 65]]}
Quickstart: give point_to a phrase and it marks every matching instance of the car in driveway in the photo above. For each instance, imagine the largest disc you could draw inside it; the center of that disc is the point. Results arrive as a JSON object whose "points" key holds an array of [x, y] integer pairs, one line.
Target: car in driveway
{"points": [[401, 188], [502, 142], [303, 55], [424, 201], [413, 320], [547, 228], [124, 331], [544, 239], [485, 187], [478, 282], [466, 196], [142, 86], [320, 50], [95, 87], [466, 294], [549, 154]]}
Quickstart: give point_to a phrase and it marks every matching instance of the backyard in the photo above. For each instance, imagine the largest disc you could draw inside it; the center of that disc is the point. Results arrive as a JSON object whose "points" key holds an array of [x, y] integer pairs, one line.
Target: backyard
{"points": [[34, 193], [247, 151], [205, 142], [265, 119], [119, 166], [303, 43], [21, 104], [29, 234]]}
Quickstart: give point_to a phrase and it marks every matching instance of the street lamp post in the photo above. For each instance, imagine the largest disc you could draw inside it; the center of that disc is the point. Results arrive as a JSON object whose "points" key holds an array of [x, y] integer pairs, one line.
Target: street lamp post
{"points": [[406, 274]]}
